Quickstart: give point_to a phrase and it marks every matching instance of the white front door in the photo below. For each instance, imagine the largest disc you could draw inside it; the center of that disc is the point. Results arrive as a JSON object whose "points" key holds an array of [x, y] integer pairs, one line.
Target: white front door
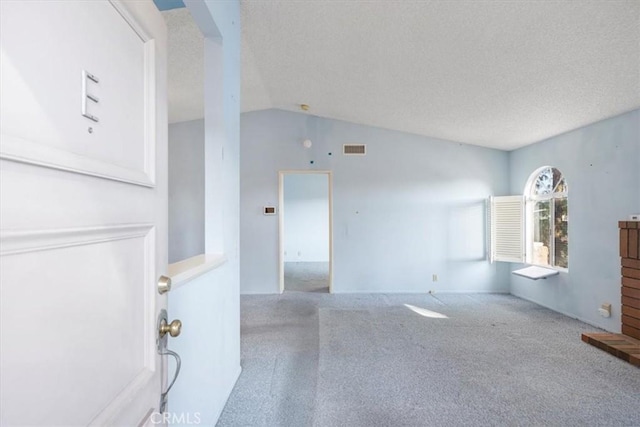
{"points": [[83, 211]]}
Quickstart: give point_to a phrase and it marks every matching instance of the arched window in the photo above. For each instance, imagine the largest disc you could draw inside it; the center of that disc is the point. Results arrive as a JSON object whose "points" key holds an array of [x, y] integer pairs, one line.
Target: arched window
{"points": [[547, 213]]}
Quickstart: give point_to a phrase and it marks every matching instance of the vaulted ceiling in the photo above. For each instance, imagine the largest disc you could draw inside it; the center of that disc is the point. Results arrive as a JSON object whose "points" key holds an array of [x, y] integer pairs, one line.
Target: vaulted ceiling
{"points": [[500, 74]]}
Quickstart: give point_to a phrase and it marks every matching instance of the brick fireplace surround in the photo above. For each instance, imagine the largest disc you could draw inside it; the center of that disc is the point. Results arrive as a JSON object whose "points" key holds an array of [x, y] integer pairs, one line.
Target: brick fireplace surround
{"points": [[626, 346]]}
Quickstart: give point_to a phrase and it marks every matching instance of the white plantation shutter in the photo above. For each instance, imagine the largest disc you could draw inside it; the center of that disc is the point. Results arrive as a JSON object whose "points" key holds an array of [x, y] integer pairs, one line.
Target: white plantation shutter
{"points": [[506, 215]]}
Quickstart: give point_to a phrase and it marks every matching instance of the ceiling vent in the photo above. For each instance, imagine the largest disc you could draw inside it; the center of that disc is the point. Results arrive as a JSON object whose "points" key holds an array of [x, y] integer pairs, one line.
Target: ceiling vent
{"points": [[354, 149]]}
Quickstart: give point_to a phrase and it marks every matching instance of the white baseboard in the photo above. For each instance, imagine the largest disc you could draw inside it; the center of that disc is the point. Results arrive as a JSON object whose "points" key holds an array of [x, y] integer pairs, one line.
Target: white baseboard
{"points": [[573, 316]]}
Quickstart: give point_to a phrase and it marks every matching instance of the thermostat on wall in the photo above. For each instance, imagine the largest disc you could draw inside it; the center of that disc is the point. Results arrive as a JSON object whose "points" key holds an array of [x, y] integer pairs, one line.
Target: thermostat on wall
{"points": [[269, 210]]}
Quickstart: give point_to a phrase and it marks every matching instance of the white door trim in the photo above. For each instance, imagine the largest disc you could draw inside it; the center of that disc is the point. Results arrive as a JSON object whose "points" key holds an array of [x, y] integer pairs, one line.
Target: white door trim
{"points": [[22, 241], [281, 175]]}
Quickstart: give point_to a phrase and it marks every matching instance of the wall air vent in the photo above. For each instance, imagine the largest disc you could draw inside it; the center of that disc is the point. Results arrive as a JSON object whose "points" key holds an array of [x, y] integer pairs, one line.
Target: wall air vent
{"points": [[354, 149]]}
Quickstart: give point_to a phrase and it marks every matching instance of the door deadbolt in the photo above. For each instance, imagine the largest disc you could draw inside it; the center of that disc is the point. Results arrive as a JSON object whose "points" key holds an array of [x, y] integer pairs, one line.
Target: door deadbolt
{"points": [[164, 284], [172, 328]]}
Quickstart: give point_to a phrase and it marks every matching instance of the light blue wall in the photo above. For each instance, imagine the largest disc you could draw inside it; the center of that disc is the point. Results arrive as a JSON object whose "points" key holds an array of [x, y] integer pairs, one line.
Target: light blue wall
{"points": [[186, 189], [209, 306], [413, 207], [306, 218], [601, 163]]}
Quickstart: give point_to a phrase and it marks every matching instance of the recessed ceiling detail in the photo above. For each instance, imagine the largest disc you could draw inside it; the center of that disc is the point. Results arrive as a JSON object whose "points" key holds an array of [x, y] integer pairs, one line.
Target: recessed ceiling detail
{"points": [[492, 73]]}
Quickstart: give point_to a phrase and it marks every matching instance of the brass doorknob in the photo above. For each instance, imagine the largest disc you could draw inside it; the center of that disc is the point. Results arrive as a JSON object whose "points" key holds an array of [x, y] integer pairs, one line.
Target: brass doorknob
{"points": [[172, 328]]}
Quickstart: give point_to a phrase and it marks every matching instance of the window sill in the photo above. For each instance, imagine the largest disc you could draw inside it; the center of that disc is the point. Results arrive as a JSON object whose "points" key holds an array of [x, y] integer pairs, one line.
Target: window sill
{"points": [[182, 272], [550, 267], [535, 272]]}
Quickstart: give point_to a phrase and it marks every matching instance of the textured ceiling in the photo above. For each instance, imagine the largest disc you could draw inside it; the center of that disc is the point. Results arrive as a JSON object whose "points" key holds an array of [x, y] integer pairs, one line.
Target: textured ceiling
{"points": [[501, 74], [185, 66]]}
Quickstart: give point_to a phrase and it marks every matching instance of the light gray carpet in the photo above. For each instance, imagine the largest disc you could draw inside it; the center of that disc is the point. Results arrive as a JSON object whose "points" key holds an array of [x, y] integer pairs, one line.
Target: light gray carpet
{"points": [[306, 276], [367, 360]]}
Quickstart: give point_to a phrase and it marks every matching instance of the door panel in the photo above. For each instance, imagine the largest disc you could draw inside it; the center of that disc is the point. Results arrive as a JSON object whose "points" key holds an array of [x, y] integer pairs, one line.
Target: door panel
{"points": [[104, 269], [82, 215], [42, 64]]}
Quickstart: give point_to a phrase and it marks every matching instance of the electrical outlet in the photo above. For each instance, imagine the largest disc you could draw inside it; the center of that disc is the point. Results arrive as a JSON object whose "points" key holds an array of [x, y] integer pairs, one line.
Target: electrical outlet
{"points": [[434, 278], [605, 310]]}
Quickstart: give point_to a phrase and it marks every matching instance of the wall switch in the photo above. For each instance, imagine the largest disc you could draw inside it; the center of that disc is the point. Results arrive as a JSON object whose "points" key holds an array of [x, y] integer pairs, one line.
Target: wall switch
{"points": [[434, 278]]}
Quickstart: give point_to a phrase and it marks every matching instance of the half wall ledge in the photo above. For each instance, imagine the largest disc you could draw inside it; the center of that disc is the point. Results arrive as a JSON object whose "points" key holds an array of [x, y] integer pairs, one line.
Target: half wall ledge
{"points": [[182, 272]]}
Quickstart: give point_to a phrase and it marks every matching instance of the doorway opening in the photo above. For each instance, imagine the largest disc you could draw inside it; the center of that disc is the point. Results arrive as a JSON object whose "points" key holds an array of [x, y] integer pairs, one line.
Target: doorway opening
{"points": [[306, 230], [186, 135]]}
